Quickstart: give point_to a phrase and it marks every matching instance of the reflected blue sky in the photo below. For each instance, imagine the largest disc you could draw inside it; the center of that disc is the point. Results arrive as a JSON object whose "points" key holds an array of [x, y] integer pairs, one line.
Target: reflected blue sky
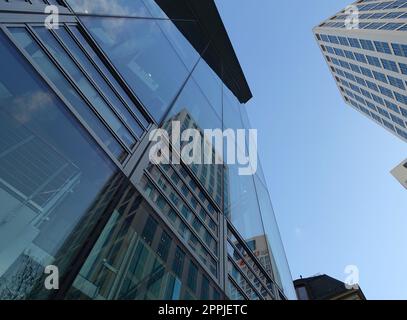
{"points": [[326, 165]]}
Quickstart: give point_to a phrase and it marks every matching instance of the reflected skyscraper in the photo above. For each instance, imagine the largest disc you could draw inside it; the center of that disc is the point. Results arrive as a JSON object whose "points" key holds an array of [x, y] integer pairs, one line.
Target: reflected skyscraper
{"points": [[77, 187]]}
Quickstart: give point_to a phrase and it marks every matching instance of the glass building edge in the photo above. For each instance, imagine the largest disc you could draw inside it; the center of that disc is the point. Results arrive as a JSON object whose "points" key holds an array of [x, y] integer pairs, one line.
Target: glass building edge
{"points": [[176, 278], [281, 268]]}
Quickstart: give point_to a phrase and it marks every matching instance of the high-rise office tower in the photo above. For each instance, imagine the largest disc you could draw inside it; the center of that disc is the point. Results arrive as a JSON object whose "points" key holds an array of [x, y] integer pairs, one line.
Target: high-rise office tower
{"points": [[79, 97], [365, 47]]}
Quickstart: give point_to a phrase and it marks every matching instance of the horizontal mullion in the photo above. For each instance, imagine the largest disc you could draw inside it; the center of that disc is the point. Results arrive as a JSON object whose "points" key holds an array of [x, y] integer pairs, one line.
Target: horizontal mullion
{"points": [[96, 87]]}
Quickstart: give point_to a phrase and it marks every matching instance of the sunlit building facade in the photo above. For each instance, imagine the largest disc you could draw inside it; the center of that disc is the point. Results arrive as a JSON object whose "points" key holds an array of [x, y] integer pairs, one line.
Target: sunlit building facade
{"points": [[365, 47], [78, 191]]}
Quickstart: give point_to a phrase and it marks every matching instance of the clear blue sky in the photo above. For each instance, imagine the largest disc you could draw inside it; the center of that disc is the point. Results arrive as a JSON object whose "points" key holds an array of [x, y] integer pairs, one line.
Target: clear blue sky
{"points": [[327, 166]]}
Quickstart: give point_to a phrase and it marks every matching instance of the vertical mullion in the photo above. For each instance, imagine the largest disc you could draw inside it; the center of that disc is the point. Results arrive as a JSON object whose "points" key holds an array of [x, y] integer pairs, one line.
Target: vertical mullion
{"points": [[111, 85], [93, 83], [75, 86], [132, 95], [61, 97]]}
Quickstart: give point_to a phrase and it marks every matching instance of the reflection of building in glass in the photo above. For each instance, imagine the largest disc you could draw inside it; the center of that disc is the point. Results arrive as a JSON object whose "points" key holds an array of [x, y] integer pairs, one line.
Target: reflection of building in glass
{"points": [[137, 258], [259, 247], [400, 173], [77, 189], [27, 203], [210, 175], [368, 61]]}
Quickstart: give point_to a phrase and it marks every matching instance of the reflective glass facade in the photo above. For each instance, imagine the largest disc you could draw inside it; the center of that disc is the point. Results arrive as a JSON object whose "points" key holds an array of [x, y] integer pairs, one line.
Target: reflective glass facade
{"points": [[77, 188]]}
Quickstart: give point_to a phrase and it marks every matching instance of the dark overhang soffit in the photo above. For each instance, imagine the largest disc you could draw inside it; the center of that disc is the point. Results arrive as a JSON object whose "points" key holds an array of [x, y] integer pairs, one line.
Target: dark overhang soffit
{"points": [[210, 28]]}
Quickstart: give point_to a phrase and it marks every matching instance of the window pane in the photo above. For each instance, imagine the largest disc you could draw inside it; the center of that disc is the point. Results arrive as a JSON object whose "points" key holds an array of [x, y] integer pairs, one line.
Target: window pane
{"points": [[281, 270], [85, 86], [84, 43], [182, 46], [147, 60], [54, 180], [67, 90], [117, 7], [127, 261], [193, 111], [100, 81], [240, 201], [210, 85]]}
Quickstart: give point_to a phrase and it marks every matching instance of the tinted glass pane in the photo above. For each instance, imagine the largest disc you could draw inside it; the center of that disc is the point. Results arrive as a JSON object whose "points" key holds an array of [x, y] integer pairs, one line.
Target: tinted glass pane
{"points": [[127, 261], [181, 45], [54, 181], [240, 201], [85, 86], [67, 90], [281, 269], [193, 111], [175, 219], [210, 85], [116, 7], [100, 82], [147, 60], [233, 292], [84, 43], [246, 124]]}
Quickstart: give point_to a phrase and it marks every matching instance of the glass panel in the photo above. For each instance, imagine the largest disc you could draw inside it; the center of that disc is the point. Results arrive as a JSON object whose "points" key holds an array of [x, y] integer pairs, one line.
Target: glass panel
{"points": [[174, 219], [239, 248], [242, 282], [204, 288], [85, 86], [233, 292], [135, 8], [254, 278], [182, 46], [240, 201], [103, 86], [67, 90], [54, 181], [188, 177], [246, 123], [180, 185], [192, 277], [98, 62], [117, 7], [210, 85], [193, 111], [126, 261], [278, 258], [196, 109], [191, 218], [147, 60]]}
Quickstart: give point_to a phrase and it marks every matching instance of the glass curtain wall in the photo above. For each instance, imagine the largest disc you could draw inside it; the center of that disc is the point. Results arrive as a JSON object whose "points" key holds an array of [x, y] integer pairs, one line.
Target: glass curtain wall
{"points": [[72, 113], [52, 175]]}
